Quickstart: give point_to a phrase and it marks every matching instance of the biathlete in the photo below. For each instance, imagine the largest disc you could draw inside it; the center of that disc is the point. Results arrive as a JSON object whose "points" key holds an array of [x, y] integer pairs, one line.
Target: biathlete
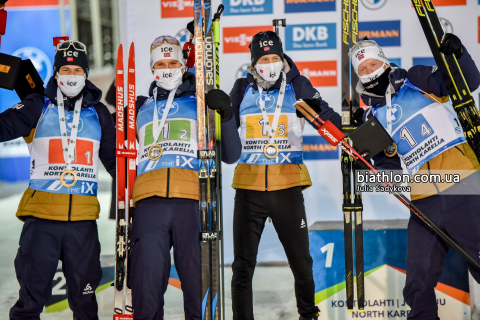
{"points": [[271, 175], [67, 130], [166, 191], [414, 108]]}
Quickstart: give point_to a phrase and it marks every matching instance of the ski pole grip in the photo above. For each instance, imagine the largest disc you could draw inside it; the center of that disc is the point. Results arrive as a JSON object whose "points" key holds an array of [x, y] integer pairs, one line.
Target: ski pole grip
{"points": [[331, 133]]}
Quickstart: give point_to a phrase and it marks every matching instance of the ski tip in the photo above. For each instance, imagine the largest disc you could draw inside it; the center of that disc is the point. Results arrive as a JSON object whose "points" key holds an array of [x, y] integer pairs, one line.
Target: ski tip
{"points": [[361, 310], [132, 46], [350, 310]]}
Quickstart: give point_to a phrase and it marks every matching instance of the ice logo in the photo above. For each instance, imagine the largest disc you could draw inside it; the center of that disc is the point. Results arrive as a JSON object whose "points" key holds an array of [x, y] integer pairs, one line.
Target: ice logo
{"points": [[396, 113], [173, 109], [71, 83], [70, 123], [269, 100], [40, 61], [242, 71], [374, 4]]}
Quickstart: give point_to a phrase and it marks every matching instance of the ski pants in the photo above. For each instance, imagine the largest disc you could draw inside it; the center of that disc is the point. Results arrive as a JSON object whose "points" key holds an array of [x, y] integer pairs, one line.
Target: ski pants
{"points": [[158, 224], [458, 215], [42, 244], [287, 211]]}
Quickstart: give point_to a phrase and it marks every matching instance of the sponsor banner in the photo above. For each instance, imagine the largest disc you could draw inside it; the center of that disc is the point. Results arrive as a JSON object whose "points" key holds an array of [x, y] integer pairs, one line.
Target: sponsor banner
{"points": [[237, 39], [320, 73], [385, 33], [397, 61], [384, 273], [309, 5], [373, 4], [176, 8], [427, 61], [239, 7], [310, 36], [317, 148], [33, 3], [438, 3]]}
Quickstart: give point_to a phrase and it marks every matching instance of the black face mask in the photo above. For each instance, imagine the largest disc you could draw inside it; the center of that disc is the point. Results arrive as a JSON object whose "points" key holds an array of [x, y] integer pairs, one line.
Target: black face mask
{"points": [[379, 86]]}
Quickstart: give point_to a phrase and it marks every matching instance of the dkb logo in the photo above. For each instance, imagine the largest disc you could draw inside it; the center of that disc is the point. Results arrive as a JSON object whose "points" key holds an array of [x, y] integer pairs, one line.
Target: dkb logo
{"points": [[240, 7], [311, 36]]}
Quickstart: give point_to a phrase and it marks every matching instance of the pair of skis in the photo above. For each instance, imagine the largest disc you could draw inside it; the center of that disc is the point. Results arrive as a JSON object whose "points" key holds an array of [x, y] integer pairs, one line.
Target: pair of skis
{"points": [[209, 155], [452, 75], [352, 202], [126, 161]]}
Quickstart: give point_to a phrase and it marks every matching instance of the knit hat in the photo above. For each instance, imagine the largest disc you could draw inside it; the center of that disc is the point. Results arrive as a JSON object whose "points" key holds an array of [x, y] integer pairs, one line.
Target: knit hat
{"points": [[71, 52], [263, 43]]}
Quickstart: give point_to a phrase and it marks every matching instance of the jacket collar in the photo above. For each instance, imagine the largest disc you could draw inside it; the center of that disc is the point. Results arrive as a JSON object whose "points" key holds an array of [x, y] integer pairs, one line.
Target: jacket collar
{"points": [[187, 87], [91, 94]]}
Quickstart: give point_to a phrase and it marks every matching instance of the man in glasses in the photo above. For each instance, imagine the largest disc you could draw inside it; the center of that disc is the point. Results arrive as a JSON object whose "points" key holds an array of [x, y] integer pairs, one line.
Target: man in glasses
{"points": [[271, 175], [165, 194], [68, 130]]}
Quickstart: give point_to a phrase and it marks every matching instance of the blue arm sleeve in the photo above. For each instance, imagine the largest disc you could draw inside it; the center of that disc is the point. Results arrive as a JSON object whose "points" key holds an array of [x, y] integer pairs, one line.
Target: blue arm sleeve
{"points": [[430, 79], [231, 145], [108, 140], [19, 120]]}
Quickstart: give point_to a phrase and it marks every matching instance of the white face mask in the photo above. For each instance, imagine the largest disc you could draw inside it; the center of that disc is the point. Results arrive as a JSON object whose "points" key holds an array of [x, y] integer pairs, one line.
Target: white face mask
{"points": [[372, 76], [270, 71], [168, 79], [71, 85]]}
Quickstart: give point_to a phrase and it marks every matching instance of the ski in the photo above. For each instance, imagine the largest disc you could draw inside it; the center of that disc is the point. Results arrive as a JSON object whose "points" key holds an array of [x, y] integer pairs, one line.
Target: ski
{"points": [[346, 161], [123, 309], [204, 155], [120, 233], [132, 167], [452, 75]]}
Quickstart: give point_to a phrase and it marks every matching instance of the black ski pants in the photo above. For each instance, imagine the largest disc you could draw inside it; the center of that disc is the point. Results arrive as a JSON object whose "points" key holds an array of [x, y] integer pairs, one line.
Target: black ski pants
{"points": [[42, 244], [458, 215], [158, 224], [287, 210]]}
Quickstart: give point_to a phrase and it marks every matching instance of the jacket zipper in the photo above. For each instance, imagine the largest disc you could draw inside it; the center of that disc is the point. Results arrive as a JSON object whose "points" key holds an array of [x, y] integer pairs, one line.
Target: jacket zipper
{"points": [[266, 177], [168, 181], [70, 208]]}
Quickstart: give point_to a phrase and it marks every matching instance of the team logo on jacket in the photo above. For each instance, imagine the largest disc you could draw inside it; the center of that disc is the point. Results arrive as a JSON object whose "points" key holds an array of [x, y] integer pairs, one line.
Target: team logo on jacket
{"points": [[269, 101], [396, 113], [173, 109], [70, 123]]}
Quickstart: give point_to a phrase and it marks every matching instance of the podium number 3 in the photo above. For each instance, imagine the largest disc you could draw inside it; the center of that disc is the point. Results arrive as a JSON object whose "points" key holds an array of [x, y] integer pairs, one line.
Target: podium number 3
{"points": [[329, 249]]}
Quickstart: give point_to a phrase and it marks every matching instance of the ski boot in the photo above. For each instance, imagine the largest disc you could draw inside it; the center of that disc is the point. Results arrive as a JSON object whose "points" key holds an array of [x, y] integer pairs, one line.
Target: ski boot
{"points": [[311, 316]]}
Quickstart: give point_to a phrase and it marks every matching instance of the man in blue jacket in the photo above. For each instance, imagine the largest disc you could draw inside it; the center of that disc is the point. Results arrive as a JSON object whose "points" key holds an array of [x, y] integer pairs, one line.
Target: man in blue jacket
{"points": [[414, 108], [271, 174], [68, 130]]}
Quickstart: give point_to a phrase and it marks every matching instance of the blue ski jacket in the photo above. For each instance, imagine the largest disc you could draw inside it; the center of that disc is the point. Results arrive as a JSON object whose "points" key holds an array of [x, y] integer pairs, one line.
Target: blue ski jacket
{"points": [[21, 121], [458, 159]]}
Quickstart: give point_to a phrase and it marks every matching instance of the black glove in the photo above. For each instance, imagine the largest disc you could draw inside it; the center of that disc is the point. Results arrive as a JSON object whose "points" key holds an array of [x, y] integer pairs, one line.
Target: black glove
{"points": [[312, 103], [357, 117], [451, 44], [216, 99], [191, 28]]}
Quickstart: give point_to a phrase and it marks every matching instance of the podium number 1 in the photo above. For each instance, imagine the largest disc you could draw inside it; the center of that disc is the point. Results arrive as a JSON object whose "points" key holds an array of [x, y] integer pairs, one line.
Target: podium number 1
{"points": [[329, 249]]}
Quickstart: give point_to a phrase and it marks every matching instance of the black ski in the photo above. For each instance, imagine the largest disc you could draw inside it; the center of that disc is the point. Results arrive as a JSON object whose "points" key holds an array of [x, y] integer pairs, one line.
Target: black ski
{"points": [[452, 75]]}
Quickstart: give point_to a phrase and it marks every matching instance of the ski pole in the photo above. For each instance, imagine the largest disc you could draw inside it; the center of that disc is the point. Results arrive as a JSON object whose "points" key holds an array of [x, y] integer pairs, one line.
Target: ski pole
{"points": [[335, 137]]}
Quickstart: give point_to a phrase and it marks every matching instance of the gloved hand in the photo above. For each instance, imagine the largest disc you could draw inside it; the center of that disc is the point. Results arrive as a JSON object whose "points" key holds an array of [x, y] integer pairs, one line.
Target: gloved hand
{"points": [[314, 104], [191, 28], [216, 99], [357, 117], [451, 44]]}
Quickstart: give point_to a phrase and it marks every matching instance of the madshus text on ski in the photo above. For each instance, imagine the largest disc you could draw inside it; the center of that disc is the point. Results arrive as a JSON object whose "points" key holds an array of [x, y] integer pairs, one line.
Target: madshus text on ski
{"points": [[166, 152]]}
